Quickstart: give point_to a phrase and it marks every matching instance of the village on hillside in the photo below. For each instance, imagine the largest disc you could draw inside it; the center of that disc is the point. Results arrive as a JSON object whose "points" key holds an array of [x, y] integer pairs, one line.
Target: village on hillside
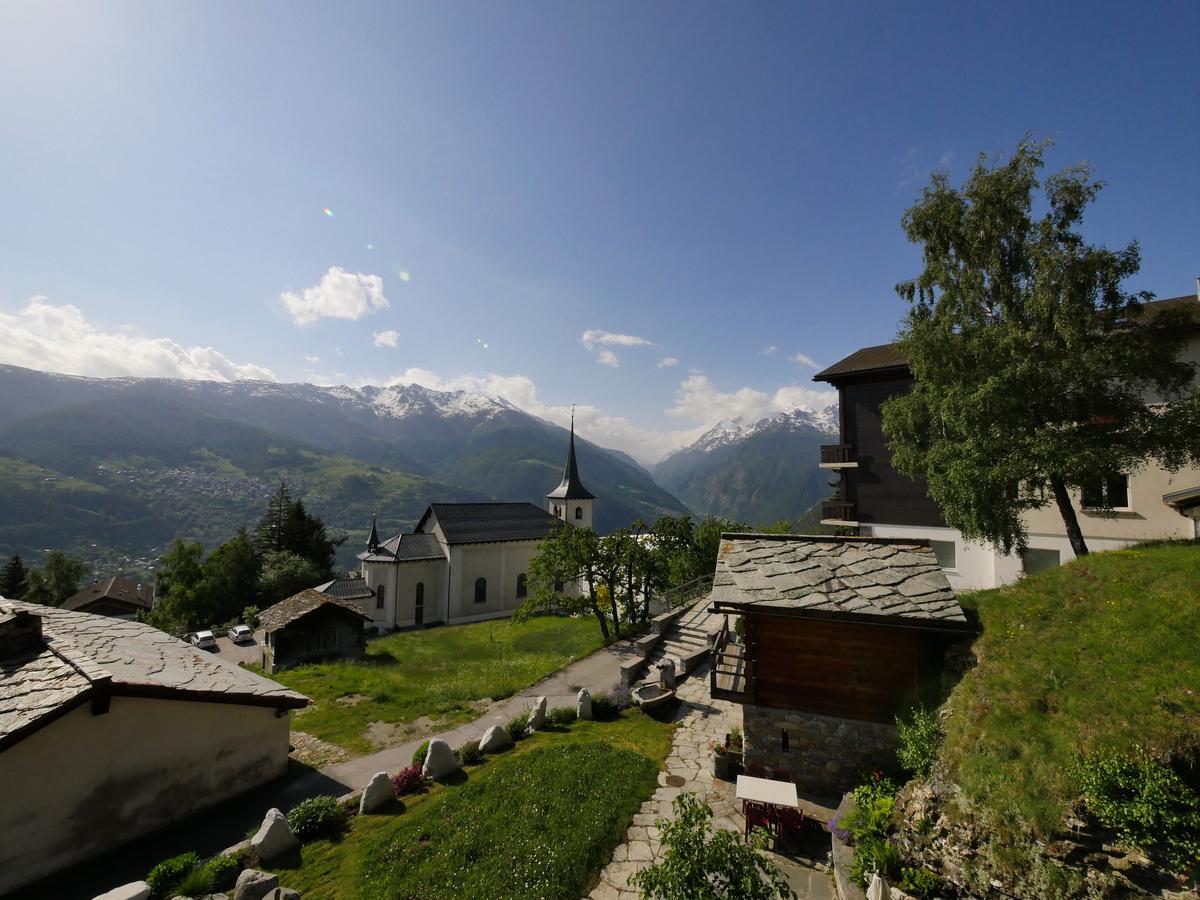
{"points": [[508, 451]]}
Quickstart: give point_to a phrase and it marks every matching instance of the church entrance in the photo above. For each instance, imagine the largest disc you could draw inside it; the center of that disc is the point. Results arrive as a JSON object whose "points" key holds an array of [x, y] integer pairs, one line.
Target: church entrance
{"points": [[419, 606]]}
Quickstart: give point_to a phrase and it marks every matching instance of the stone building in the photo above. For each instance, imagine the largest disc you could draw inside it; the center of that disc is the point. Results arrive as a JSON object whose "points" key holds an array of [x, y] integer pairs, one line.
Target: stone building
{"points": [[841, 634], [312, 625], [110, 729]]}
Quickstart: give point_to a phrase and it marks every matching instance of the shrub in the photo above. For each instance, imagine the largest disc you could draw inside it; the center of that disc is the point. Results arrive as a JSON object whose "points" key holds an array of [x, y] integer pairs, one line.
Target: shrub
{"points": [[735, 738], [871, 856], [920, 883], [195, 883], [603, 709], [170, 872], [620, 697], [250, 616], [1147, 803], [408, 780], [517, 726], [868, 825], [561, 715], [420, 753], [469, 754], [920, 740], [317, 817], [222, 872]]}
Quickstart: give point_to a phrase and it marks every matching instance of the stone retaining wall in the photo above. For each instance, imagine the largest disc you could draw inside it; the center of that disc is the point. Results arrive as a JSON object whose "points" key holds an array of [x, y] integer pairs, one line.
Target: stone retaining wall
{"points": [[826, 756]]}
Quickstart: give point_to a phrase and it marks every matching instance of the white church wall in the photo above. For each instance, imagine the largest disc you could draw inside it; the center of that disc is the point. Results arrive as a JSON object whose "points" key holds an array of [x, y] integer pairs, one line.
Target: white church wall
{"points": [[432, 575], [499, 564]]}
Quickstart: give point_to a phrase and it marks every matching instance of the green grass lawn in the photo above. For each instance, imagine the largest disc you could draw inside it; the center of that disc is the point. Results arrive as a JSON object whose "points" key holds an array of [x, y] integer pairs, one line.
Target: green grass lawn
{"points": [[436, 672], [536, 821], [1103, 652]]}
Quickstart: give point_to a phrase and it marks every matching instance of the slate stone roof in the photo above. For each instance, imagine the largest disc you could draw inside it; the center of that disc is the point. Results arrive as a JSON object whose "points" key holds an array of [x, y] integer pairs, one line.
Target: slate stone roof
{"points": [[860, 577], [80, 654], [117, 589], [297, 606], [887, 357], [347, 588], [478, 523], [406, 548]]}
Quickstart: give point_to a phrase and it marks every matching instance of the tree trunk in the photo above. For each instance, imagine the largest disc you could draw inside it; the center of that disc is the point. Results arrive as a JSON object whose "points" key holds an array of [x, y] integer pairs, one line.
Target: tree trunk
{"points": [[1067, 511], [591, 585], [616, 607]]}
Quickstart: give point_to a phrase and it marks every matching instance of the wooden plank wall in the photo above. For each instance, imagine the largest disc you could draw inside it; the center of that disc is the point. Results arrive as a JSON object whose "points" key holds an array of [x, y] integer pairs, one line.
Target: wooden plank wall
{"points": [[852, 671]]}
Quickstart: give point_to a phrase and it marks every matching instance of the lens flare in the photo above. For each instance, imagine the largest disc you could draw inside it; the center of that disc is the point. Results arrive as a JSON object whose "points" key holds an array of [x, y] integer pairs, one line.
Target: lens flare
{"points": [[404, 276], [328, 212]]}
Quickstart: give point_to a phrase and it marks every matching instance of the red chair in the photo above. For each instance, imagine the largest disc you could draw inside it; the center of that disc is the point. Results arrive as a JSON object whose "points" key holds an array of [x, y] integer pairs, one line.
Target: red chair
{"points": [[758, 815], [790, 822]]}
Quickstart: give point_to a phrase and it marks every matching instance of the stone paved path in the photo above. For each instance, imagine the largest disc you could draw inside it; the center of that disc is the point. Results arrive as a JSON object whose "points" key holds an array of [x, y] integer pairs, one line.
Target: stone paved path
{"points": [[689, 768]]}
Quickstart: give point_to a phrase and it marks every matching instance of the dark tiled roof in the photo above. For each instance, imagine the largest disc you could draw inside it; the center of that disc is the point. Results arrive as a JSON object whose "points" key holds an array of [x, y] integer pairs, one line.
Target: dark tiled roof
{"points": [[889, 357], [477, 523], [406, 548], [121, 590], [347, 588], [295, 607], [858, 577], [78, 651]]}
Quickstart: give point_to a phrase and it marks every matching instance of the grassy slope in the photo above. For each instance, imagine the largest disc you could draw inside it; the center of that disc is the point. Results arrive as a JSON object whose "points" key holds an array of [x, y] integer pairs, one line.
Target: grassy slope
{"points": [[1100, 652], [532, 804], [435, 672]]}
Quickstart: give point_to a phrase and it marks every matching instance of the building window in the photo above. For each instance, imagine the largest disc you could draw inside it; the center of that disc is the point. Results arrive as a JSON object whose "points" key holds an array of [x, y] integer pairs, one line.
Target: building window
{"points": [[379, 597], [578, 513], [480, 590], [1035, 560], [784, 740], [522, 586], [1109, 492], [557, 511], [558, 586], [420, 593], [946, 553]]}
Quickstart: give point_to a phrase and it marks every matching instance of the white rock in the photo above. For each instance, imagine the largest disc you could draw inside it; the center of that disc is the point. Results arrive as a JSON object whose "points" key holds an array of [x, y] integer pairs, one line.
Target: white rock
{"points": [[377, 793], [583, 704], [440, 760], [537, 714], [495, 739], [666, 675], [135, 890], [253, 884], [273, 838]]}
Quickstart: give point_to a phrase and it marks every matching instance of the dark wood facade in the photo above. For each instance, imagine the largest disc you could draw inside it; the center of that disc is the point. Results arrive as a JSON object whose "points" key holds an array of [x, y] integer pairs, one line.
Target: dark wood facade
{"points": [[326, 631], [875, 491]]}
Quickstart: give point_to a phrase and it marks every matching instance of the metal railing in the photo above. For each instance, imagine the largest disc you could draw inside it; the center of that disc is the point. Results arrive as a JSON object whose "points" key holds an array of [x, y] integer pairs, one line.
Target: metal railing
{"points": [[728, 666], [681, 595], [834, 454], [838, 510]]}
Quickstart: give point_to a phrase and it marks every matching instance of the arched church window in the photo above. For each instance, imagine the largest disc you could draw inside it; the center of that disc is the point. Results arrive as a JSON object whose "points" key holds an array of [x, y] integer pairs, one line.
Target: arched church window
{"points": [[480, 590], [578, 513], [379, 597], [522, 586], [420, 592]]}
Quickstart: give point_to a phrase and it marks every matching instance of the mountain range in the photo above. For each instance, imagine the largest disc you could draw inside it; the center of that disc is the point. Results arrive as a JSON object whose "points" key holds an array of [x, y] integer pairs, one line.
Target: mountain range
{"points": [[754, 472], [110, 470]]}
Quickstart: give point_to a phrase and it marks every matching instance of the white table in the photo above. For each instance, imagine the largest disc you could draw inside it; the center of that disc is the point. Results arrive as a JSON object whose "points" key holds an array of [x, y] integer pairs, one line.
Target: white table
{"points": [[765, 790]]}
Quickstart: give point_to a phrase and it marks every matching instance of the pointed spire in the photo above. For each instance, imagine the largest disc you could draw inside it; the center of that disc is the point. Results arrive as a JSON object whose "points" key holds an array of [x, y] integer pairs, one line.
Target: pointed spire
{"points": [[571, 488], [373, 540]]}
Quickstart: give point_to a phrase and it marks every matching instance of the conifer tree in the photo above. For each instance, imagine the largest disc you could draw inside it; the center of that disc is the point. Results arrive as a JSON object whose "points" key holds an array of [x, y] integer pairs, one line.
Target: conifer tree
{"points": [[14, 579]]}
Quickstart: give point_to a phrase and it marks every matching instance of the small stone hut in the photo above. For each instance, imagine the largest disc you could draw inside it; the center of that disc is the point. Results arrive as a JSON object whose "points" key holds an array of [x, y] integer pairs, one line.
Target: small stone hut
{"points": [[840, 635], [312, 625]]}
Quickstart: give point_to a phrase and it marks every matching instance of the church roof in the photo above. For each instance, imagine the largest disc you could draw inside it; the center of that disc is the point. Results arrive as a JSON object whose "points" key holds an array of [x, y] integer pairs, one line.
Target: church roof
{"points": [[571, 488], [405, 548], [478, 523]]}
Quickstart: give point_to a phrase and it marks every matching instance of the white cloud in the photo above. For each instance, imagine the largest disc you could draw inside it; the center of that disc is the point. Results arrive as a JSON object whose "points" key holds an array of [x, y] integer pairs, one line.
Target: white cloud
{"points": [[61, 339], [387, 338], [608, 358], [667, 362], [338, 295], [947, 160], [769, 350], [594, 336], [699, 400], [802, 359], [312, 360]]}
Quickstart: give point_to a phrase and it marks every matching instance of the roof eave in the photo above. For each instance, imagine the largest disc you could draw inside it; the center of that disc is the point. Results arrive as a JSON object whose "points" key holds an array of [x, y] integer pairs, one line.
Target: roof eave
{"points": [[954, 626]]}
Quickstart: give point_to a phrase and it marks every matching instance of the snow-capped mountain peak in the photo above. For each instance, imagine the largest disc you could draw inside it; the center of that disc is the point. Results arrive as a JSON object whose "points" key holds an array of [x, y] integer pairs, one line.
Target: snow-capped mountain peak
{"points": [[736, 430]]}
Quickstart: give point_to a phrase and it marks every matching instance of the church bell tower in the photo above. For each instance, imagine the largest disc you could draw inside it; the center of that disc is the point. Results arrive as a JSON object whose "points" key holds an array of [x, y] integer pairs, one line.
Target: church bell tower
{"points": [[571, 501]]}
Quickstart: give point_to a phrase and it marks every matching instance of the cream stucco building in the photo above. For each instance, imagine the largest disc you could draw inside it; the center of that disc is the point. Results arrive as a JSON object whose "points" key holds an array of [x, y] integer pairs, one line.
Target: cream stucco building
{"points": [[110, 729], [466, 562]]}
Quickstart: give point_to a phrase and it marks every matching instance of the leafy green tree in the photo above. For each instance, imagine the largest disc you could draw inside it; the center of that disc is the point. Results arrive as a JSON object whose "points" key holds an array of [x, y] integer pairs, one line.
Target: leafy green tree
{"points": [[284, 574], [179, 603], [567, 556], [699, 864], [56, 580], [1034, 368], [14, 579], [230, 576]]}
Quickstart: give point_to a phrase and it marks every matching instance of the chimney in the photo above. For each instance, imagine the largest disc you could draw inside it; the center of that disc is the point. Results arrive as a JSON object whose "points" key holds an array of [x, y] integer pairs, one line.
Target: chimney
{"points": [[20, 632]]}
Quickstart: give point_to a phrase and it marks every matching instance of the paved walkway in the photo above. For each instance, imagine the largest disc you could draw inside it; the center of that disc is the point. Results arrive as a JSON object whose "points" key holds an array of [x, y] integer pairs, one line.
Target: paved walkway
{"points": [[689, 768]]}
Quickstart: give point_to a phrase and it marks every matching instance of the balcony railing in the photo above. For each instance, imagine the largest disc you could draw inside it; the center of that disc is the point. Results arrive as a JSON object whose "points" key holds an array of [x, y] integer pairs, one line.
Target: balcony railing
{"points": [[834, 511], [838, 456], [729, 677]]}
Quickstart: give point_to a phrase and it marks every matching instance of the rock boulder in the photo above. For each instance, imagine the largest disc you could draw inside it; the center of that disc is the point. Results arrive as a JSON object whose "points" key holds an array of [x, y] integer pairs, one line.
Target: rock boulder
{"points": [[377, 793], [440, 761], [273, 838], [495, 739], [135, 890], [255, 885], [537, 714], [583, 704]]}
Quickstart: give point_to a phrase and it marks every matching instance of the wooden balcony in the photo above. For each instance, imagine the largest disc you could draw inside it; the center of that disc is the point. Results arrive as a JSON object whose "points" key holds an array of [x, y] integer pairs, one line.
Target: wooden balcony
{"points": [[838, 456], [729, 677], [838, 512]]}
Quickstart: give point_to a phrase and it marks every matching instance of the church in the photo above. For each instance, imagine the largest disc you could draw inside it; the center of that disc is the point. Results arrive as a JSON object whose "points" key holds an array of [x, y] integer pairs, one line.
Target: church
{"points": [[466, 562]]}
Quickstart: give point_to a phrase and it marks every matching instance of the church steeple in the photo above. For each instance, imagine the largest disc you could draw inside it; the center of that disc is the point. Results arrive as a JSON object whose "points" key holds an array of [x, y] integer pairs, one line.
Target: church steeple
{"points": [[373, 540], [571, 487]]}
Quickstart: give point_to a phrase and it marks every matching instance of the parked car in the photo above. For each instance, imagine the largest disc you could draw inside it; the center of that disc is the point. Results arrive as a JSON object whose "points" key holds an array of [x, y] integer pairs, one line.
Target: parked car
{"points": [[240, 633], [205, 640]]}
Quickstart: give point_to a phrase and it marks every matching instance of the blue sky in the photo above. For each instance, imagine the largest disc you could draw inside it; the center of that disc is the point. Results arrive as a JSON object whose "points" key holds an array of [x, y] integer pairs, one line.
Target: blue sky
{"points": [[695, 182]]}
